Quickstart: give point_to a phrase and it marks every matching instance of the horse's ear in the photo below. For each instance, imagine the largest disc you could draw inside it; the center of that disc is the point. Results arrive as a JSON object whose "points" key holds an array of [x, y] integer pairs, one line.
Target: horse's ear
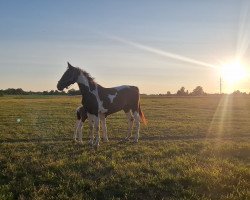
{"points": [[69, 65]]}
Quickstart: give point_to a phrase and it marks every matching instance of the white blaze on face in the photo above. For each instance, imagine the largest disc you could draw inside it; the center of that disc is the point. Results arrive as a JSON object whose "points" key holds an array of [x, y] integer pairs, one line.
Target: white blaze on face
{"points": [[111, 97], [122, 87]]}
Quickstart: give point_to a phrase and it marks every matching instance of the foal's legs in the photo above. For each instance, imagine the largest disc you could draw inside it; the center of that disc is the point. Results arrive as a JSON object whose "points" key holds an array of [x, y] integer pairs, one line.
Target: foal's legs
{"points": [[104, 127], [130, 124], [76, 130], [137, 125], [78, 134]]}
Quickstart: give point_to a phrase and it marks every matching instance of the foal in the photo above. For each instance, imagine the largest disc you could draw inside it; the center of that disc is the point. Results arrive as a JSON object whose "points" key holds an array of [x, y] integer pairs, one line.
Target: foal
{"points": [[81, 116]]}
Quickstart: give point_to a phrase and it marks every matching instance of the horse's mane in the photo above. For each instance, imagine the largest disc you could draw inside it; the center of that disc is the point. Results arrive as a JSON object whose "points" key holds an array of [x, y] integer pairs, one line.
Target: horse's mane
{"points": [[88, 76]]}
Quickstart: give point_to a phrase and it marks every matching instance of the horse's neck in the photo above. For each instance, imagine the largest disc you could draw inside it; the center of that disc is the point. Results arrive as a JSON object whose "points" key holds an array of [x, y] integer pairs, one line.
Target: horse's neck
{"points": [[86, 91], [83, 89]]}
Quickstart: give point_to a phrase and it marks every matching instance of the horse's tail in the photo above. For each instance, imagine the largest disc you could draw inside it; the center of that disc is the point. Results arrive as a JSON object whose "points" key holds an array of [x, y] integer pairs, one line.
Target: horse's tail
{"points": [[142, 116]]}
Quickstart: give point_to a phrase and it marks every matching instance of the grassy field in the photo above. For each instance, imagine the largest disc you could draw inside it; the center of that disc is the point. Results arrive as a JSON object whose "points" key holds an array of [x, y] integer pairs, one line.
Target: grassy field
{"points": [[192, 148]]}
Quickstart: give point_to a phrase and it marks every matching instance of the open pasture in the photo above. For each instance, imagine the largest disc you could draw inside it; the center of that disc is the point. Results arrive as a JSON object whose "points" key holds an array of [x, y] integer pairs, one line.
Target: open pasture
{"points": [[192, 148]]}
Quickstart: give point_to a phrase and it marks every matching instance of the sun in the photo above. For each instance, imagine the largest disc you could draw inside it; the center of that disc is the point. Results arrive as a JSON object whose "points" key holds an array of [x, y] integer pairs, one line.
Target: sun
{"points": [[233, 72]]}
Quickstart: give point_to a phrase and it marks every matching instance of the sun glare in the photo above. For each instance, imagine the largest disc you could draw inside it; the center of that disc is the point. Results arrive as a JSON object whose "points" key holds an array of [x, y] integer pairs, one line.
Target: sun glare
{"points": [[233, 72]]}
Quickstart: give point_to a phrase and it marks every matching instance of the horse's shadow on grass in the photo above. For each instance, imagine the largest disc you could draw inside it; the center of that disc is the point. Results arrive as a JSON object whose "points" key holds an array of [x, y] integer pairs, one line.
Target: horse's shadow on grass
{"points": [[34, 140], [116, 140]]}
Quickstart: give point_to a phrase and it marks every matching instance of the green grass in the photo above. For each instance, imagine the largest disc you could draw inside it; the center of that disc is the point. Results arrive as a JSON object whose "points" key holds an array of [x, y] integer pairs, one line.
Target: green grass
{"points": [[192, 148]]}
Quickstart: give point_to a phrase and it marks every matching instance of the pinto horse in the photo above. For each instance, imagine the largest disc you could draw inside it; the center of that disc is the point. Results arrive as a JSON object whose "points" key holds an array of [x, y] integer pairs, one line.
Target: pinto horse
{"points": [[101, 102]]}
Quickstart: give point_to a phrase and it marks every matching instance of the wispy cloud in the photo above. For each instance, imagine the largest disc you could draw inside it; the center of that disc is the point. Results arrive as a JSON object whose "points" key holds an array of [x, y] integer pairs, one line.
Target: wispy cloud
{"points": [[161, 52]]}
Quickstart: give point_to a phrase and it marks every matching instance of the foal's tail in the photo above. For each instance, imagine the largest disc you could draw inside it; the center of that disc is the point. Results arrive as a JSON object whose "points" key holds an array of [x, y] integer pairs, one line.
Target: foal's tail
{"points": [[143, 118]]}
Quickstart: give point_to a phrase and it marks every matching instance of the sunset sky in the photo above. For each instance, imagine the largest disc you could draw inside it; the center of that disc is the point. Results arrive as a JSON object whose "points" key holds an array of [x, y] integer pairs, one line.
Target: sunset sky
{"points": [[158, 46]]}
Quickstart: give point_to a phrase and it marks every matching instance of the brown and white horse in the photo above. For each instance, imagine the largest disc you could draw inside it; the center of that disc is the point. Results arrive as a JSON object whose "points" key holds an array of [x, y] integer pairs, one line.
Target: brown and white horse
{"points": [[101, 102]]}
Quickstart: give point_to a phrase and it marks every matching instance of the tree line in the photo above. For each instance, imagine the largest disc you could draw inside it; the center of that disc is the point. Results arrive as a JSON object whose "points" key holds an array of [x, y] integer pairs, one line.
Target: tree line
{"points": [[20, 91], [198, 91]]}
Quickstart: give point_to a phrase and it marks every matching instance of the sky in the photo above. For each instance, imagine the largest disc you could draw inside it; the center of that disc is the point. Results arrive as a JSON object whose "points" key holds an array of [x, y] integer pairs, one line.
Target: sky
{"points": [[158, 46]]}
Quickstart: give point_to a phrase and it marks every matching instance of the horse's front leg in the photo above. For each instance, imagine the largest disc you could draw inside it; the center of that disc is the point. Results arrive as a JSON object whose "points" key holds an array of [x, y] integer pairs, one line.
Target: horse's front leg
{"points": [[91, 129], [96, 130], [104, 127]]}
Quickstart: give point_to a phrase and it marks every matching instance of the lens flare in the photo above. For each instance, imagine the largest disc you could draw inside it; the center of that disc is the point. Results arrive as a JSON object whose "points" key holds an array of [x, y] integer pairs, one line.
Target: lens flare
{"points": [[233, 72]]}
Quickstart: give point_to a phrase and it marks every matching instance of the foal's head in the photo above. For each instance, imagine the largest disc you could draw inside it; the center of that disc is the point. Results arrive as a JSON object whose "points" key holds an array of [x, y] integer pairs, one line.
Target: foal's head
{"points": [[69, 77]]}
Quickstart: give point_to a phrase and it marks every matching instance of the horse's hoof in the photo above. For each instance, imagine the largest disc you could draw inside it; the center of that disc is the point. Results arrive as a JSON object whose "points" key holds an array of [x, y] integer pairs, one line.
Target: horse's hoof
{"points": [[96, 146], [127, 139], [123, 140], [136, 141], [105, 140], [80, 142]]}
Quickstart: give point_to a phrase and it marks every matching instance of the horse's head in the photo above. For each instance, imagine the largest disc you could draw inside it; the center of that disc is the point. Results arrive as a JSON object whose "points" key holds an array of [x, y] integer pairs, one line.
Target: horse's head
{"points": [[69, 77]]}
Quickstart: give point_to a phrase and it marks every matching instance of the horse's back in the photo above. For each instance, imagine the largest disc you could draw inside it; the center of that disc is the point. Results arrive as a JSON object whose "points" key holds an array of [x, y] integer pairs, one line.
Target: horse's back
{"points": [[118, 98]]}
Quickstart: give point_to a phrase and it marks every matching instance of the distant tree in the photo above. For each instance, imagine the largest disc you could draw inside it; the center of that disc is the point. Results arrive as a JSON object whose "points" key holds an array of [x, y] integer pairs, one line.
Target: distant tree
{"points": [[74, 92], [12, 91], [237, 92], [168, 93], [56, 92], [19, 91], [1, 93], [51, 92], [45, 93], [9, 91], [182, 92], [198, 91], [62, 93]]}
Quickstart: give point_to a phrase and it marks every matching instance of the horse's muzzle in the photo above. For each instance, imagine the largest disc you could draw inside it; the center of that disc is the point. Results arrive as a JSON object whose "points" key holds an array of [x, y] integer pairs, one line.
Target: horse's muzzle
{"points": [[59, 87]]}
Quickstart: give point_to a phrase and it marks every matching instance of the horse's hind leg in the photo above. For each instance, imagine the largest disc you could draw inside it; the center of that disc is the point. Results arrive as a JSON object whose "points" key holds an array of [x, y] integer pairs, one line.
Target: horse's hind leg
{"points": [[104, 127], [130, 124], [137, 125]]}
